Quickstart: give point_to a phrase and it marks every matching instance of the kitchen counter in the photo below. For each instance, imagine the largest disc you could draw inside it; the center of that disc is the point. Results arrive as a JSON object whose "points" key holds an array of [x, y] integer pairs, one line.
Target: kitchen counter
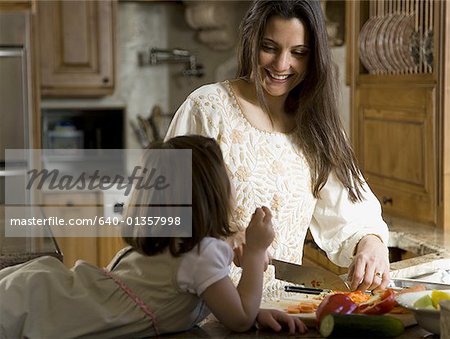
{"points": [[429, 246], [16, 250], [213, 329]]}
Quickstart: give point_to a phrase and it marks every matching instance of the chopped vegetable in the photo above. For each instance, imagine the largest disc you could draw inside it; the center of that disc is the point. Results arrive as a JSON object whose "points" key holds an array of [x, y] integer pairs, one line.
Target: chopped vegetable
{"points": [[399, 310], [335, 303], [292, 309], [384, 305], [437, 296], [303, 307], [431, 301], [357, 296], [424, 302]]}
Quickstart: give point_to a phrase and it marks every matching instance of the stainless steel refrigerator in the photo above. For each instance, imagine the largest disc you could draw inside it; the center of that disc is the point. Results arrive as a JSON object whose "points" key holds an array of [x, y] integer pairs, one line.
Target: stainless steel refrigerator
{"points": [[15, 108], [15, 93]]}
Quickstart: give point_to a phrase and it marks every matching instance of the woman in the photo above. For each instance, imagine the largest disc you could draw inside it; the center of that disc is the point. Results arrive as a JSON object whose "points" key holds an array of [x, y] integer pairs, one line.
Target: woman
{"points": [[284, 145]]}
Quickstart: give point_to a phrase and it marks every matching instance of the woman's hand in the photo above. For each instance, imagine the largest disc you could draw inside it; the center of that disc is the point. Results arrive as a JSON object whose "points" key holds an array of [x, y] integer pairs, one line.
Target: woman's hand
{"points": [[276, 320], [370, 267]]}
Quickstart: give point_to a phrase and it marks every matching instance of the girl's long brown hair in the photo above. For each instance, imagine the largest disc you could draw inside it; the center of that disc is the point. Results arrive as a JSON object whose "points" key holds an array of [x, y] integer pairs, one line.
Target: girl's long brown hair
{"points": [[211, 194], [314, 101]]}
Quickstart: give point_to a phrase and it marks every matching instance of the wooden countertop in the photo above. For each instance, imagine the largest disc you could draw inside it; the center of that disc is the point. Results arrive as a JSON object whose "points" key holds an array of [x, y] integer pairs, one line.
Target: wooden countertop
{"points": [[213, 329]]}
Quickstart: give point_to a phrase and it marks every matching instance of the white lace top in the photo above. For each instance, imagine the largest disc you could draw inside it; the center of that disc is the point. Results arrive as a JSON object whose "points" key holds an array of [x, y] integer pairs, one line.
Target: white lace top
{"points": [[268, 168]]}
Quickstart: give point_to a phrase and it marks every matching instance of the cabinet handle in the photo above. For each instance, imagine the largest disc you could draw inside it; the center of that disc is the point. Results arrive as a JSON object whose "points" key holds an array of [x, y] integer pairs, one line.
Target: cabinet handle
{"points": [[387, 200], [69, 204], [105, 80], [118, 207]]}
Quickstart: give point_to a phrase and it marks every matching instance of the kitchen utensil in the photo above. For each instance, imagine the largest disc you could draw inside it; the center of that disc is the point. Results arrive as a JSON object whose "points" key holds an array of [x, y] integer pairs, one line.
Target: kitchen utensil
{"points": [[407, 282], [145, 126], [140, 134], [308, 276], [305, 290], [155, 122], [426, 318]]}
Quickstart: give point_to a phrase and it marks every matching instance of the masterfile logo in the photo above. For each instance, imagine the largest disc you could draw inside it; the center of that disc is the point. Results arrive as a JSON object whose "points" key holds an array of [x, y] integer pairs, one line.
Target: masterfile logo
{"points": [[47, 192]]}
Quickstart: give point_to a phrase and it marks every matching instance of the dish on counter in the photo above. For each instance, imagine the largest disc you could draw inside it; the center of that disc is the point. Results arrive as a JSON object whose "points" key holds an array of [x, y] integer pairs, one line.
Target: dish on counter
{"points": [[428, 318]]}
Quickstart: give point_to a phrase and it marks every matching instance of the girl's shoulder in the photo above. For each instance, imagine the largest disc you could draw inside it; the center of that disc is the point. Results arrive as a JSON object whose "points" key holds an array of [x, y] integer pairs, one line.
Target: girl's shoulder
{"points": [[210, 244], [210, 250], [205, 264]]}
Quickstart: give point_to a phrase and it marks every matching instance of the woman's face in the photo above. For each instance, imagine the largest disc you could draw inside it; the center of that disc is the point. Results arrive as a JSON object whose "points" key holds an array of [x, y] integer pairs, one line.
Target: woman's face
{"points": [[283, 55]]}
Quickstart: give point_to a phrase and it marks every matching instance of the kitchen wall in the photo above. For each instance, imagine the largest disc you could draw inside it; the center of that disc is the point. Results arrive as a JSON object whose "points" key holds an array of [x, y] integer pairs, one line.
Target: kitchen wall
{"points": [[143, 25], [339, 56], [218, 64]]}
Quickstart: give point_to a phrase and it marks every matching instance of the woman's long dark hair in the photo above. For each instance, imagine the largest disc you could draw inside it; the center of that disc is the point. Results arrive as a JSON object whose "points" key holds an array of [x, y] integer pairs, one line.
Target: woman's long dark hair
{"points": [[211, 197], [313, 101]]}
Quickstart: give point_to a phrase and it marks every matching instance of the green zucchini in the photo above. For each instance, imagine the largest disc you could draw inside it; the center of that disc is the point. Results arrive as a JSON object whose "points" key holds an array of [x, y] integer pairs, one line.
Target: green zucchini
{"points": [[360, 325]]}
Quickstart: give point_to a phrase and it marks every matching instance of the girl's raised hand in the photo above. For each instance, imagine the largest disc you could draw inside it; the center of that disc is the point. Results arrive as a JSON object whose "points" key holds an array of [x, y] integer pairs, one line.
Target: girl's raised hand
{"points": [[259, 233]]}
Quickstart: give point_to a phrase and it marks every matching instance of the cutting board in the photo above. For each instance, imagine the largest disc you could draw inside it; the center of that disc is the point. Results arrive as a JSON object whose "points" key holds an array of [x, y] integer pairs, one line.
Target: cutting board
{"points": [[309, 319]]}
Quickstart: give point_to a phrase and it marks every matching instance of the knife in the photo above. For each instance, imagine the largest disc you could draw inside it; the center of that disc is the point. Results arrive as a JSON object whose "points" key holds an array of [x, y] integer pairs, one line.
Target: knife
{"points": [[304, 290], [308, 276]]}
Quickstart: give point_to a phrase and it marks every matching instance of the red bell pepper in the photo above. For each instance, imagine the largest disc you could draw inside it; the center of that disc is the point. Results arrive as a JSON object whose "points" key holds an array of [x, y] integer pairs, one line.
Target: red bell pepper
{"points": [[384, 305], [335, 303]]}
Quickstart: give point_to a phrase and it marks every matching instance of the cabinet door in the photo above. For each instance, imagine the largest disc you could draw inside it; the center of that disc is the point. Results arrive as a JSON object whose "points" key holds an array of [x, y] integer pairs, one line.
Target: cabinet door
{"points": [[97, 250], [76, 47], [397, 148], [74, 248], [107, 248]]}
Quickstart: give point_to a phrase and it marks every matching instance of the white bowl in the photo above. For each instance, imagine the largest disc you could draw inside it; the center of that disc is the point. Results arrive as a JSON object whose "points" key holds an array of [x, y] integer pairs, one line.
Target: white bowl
{"points": [[426, 318]]}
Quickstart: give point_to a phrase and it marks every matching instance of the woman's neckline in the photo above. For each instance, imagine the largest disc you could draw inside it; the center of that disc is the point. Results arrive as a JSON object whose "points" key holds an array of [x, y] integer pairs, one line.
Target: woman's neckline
{"points": [[241, 113]]}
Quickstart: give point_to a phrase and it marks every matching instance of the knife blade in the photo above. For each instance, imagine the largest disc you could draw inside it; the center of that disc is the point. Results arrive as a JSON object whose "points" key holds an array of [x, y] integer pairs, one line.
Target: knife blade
{"points": [[304, 290], [308, 276]]}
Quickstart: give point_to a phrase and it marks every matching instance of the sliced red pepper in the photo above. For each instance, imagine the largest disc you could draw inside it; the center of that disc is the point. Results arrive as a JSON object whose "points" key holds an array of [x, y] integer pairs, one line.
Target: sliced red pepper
{"points": [[384, 305], [335, 303]]}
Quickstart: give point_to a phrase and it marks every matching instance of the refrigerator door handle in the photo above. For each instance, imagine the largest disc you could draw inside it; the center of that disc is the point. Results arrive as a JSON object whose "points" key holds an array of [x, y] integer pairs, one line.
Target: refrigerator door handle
{"points": [[11, 173]]}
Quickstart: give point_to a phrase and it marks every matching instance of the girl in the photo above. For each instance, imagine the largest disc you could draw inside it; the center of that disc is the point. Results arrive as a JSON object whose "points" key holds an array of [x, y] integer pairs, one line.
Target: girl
{"points": [[158, 284]]}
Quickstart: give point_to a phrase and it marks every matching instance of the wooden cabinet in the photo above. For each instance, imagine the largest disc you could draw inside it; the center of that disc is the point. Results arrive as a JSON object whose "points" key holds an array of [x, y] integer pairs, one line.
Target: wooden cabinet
{"points": [[400, 104], [74, 248], [77, 52], [395, 143], [97, 250]]}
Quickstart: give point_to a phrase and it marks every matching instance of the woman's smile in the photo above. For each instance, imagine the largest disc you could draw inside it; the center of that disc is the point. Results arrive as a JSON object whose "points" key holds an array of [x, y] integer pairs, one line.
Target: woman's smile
{"points": [[278, 77]]}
